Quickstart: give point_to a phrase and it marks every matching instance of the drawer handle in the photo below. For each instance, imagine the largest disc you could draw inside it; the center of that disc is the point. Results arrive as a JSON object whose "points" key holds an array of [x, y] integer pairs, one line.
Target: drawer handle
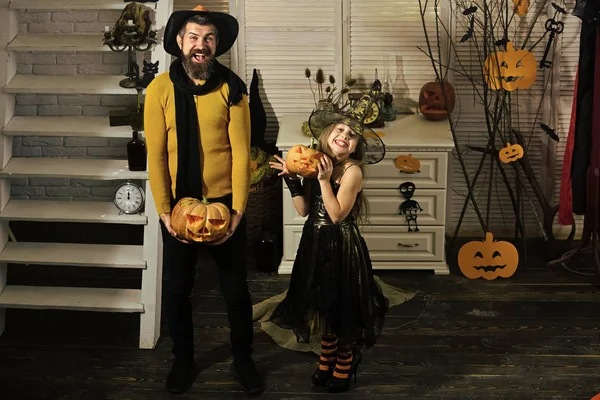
{"points": [[400, 244]]}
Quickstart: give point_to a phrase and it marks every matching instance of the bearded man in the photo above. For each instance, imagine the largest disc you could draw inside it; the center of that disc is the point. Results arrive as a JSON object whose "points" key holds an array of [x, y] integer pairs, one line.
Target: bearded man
{"points": [[197, 126]]}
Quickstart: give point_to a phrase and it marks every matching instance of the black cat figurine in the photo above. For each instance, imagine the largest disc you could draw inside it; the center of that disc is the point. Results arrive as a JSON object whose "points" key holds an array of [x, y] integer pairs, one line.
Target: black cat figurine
{"points": [[150, 70]]}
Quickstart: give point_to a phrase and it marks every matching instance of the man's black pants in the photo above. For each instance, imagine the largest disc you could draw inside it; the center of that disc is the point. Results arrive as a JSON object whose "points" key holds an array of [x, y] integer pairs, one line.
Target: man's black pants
{"points": [[179, 260]]}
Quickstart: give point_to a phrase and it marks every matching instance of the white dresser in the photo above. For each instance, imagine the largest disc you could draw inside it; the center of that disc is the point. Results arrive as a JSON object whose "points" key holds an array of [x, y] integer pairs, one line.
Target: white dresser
{"points": [[390, 244]]}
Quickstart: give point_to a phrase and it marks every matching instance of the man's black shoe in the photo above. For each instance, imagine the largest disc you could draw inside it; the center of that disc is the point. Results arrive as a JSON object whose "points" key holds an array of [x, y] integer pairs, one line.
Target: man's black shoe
{"points": [[181, 376], [244, 370]]}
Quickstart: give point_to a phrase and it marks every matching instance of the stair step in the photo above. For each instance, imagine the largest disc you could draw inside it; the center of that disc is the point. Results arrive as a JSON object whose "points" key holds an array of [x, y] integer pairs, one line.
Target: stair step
{"points": [[71, 298], [75, 254], [68, 211], [66, 5], [65, 126], [67, 84], [77, 168], [58, 43]]}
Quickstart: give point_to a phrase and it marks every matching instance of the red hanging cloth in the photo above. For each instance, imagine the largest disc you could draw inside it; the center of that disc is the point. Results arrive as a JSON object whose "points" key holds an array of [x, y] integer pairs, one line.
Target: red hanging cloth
{"points": [[565, 205]]}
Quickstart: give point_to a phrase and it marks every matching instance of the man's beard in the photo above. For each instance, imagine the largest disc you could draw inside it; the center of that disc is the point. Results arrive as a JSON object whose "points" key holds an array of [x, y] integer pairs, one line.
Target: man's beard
{"points": [[201, 71]]}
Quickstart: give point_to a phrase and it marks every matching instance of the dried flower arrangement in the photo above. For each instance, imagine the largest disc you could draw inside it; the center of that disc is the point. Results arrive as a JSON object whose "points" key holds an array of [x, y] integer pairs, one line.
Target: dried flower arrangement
{"points": [[328, 94], [328, 97]]}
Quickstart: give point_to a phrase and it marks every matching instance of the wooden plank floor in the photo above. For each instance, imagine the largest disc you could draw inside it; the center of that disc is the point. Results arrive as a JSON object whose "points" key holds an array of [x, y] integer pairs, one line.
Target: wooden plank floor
{"points": [[533, 336]]}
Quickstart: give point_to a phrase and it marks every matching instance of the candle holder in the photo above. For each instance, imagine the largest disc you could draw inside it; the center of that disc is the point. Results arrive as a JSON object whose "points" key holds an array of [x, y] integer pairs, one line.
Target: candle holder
{"points": [[131, 34]]}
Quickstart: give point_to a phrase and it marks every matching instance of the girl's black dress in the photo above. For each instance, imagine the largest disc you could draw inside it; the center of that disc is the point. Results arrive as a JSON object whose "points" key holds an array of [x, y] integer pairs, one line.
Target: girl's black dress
{"points": [[332, 290]]}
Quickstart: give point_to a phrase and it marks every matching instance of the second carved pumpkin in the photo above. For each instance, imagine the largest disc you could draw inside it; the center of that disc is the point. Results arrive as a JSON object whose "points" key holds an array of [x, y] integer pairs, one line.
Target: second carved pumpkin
{"points": [[432, 103], [303, 160]]}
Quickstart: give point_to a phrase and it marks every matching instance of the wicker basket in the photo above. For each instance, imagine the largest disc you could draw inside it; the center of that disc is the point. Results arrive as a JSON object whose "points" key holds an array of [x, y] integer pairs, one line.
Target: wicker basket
{"points": [[264, 210]]}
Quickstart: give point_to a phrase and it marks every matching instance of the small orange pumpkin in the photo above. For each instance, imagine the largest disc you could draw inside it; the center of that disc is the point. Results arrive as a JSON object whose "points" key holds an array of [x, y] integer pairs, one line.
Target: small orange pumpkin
{"points": [[432, 103], [303, 160], [488, 259], [408, 164], [513, 69], [510, 153], [200, 221], [521, 7]]}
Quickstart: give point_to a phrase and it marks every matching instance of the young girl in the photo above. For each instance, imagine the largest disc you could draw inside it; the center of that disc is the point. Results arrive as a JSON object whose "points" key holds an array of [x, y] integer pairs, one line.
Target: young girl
{"points": [[332, 291]]}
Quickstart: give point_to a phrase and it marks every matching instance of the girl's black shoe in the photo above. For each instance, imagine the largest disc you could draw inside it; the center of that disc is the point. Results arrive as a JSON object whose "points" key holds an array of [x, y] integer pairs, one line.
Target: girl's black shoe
{"points": [[327, 359], [339, 385]]}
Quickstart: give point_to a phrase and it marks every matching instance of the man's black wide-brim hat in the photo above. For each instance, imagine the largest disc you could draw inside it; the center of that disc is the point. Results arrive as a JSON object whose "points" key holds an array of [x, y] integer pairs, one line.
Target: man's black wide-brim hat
{"points": [[227, 27]]}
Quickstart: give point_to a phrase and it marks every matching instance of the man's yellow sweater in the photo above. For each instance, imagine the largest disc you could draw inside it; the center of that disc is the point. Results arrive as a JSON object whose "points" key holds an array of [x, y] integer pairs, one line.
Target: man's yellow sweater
{"points": [[224, 144]]}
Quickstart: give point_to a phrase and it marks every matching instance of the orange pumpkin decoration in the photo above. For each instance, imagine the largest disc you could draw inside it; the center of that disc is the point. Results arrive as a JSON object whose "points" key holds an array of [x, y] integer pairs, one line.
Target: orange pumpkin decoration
{"points": [[488, 259], [200, 221], [512, 152], [408, 164], [521, 7], [303, 161], [432, 103], [511, 69]]}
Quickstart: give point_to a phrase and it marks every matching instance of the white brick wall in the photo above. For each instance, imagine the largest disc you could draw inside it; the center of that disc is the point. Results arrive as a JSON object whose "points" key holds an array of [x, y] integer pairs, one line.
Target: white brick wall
{"points": [[69, 63]]}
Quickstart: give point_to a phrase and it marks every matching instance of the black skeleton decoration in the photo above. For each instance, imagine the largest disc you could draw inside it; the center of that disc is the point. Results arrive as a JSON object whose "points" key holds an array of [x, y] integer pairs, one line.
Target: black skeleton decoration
{"points": [[408, 207]]}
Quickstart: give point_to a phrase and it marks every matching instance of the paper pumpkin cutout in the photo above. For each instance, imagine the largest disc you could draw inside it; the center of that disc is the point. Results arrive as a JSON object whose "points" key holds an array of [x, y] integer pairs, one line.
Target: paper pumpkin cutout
{"points": [[521, 7], [488, 259], [510, 70], [512, 152], [408, 164]]}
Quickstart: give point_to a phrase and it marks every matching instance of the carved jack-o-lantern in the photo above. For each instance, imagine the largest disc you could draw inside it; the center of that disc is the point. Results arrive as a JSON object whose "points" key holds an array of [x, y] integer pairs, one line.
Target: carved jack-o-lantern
{"points": [[432, 103], [511, 69], [510, 153], [521, 7], [488, 259], [200, 221], [303, 161], [408, 164]]}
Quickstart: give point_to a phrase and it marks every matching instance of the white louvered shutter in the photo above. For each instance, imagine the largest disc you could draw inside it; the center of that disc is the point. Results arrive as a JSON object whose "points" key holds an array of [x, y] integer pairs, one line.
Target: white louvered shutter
{"points": [[472, 130], [211, 5], [282, 39], [385, 35]]}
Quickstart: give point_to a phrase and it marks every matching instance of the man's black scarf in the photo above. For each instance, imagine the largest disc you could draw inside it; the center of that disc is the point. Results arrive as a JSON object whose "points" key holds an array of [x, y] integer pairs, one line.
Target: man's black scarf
{"points": [[189, 175]]}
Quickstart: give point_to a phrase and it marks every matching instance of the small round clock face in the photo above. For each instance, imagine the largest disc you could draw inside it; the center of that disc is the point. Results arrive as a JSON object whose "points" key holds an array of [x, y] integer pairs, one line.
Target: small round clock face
{"points": [[129, 198], [372, 114]]}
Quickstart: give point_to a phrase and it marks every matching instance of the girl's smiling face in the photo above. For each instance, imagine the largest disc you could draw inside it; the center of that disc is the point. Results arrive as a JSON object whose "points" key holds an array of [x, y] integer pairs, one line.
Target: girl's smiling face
{"points": [[342, 141]]}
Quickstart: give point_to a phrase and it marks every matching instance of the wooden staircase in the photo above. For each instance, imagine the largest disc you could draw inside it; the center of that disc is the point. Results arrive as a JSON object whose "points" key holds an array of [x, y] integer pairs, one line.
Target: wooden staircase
{"points": [[147, 257]]}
